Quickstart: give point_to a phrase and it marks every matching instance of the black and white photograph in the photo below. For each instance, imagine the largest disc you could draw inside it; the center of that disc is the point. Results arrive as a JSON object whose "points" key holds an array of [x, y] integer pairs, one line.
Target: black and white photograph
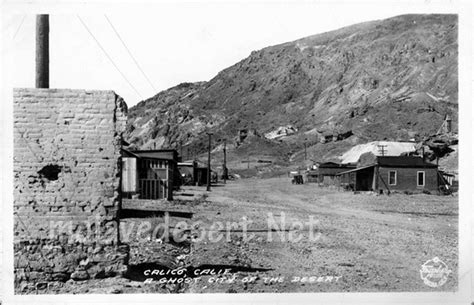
{"points": [[237, 150]]}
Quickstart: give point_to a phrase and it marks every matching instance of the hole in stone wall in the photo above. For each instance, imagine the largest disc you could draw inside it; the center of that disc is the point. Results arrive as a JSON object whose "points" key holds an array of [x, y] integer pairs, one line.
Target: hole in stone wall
{"points": [[50, 172]]}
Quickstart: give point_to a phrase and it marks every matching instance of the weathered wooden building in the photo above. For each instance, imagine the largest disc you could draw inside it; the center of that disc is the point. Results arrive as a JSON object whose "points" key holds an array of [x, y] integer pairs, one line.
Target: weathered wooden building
{"points": [[201, 175], [149, 174], [325, 173], [386, 174], [188, 172], [193, 173]]}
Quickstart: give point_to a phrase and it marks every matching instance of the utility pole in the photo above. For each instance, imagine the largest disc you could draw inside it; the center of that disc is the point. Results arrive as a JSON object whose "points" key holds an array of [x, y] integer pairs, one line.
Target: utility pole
{"points": [[209, 163], [382, 149], [305, 150], [224, 168], [448, 124], [42, 51]]}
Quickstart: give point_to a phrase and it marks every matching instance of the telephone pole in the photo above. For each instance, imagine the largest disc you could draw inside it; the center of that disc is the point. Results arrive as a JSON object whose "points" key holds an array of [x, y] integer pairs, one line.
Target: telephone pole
{"points": [[209, 163], [224, 167], [382, 149], [305, 150], [42, 51]]}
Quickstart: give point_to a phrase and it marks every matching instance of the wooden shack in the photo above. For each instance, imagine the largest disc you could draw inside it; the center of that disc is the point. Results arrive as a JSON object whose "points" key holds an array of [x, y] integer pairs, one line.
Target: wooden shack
{"points": [[149, 174], [392, 173], [201, 175], [188, 172], [194, 173], [325, 173]]}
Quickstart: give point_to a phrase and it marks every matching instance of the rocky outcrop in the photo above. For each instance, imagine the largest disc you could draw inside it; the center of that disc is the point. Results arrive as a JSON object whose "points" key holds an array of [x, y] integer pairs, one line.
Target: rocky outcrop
{"points": [[392, 79]]}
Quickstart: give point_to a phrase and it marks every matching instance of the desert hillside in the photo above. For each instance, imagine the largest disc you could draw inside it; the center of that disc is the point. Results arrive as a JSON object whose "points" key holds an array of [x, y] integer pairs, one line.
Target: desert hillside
{"points": [[392, 79]]}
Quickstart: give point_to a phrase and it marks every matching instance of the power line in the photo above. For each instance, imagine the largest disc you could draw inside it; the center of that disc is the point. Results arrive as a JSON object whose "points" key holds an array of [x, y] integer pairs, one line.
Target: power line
{"points": [[19, 26], [108, 56], [130, 53]]}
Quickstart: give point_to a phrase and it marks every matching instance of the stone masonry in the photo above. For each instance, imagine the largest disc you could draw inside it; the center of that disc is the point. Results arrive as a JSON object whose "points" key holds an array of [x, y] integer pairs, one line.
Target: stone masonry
{"points": [[67, 169]]}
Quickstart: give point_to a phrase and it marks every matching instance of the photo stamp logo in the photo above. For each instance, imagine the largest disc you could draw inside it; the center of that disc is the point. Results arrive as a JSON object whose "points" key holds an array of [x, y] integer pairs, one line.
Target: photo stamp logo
{"points": [[434, 272]]}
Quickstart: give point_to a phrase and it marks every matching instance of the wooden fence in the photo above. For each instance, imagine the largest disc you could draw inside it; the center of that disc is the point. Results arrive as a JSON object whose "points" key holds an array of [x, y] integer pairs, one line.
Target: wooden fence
{"points": [[152, 188]]}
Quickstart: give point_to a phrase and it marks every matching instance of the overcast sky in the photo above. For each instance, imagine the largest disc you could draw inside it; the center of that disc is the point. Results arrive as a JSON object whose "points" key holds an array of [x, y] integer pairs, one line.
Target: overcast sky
{"points": [[173, 43]]}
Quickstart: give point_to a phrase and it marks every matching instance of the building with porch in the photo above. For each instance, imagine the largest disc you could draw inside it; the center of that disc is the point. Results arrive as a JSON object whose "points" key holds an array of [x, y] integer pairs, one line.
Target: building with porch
{"points": [[392, 173], [149, 174]]}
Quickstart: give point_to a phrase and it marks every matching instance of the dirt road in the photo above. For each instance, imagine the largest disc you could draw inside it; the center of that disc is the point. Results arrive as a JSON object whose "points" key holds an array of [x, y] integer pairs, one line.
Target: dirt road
{"points": [[356, 242], [366, 242]]}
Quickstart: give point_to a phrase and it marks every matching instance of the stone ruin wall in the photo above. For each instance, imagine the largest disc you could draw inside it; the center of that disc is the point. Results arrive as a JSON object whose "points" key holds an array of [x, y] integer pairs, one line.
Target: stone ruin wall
{"points": [[67, 169]]}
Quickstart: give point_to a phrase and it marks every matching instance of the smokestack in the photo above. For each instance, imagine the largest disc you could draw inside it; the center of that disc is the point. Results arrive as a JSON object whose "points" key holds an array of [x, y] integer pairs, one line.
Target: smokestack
{"points": [[42, 51]]}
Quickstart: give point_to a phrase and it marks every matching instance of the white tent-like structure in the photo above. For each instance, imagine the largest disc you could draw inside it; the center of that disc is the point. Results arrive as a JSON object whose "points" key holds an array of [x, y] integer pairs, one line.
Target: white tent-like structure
{"points": [[389, 148]]}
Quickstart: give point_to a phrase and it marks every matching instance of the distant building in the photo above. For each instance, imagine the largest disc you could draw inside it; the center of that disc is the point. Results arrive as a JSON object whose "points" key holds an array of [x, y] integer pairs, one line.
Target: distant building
{"points": [[188, 172], [150, 174], [193, 173], [389, 173], [201, 175], [325, 173]]}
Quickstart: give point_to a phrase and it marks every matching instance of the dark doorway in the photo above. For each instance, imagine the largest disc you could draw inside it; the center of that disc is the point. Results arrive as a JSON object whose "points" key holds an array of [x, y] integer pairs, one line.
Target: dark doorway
{"points": [[364, 179]]}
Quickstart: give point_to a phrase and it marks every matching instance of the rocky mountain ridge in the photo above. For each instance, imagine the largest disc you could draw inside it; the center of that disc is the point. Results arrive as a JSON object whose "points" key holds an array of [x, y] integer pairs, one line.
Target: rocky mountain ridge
{"points": [[393, 79]]}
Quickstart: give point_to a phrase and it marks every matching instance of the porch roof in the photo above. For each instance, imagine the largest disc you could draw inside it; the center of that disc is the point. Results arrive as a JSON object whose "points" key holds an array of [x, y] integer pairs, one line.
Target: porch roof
{"points": [[355, 169]]}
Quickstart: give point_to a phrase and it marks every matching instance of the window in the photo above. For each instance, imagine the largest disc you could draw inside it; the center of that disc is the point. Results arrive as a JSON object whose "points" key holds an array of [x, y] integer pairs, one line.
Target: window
{"points": [[420, 178], [392, 177]]}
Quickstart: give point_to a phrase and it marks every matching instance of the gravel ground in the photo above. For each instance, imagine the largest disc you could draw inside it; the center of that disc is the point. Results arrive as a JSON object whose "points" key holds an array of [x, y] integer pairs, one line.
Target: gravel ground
{"points": [[362, 242]]}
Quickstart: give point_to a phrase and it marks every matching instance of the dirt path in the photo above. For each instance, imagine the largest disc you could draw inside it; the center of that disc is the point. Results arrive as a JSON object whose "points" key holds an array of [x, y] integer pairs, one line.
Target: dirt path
{"points": [[373, 243], [364, 242]]}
